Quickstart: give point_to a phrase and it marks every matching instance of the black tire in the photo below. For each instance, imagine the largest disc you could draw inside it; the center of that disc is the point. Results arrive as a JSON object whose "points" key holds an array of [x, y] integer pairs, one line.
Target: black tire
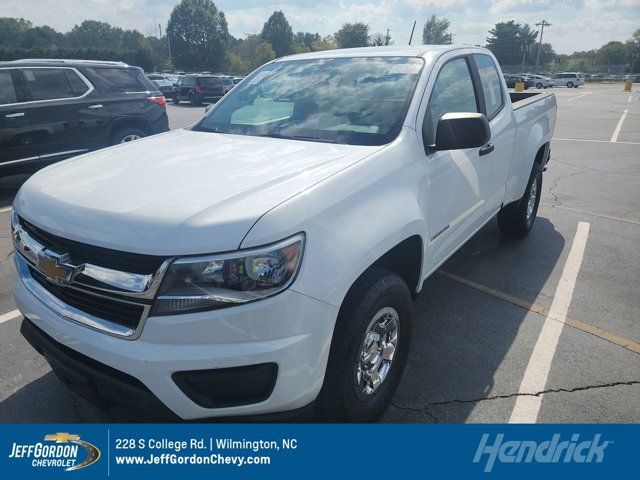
{"points": [[575, 86], [175, 98], [341, 398], [121, 135], [514, 219], [194, 100], [569, 84], [538, 85]]}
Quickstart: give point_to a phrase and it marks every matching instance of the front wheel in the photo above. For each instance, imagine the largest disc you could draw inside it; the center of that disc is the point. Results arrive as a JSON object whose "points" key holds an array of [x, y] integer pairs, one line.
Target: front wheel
{"points": [[517, 218], [538, 85], [369, 349]]}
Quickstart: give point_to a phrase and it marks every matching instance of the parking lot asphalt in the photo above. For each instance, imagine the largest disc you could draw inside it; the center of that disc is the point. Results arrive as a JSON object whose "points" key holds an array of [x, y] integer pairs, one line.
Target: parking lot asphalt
{"points": [[482, 322]]}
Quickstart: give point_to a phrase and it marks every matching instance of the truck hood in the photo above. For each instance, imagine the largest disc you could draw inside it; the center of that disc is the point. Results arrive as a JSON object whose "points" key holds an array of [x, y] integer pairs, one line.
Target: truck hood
{"points": [[179, 193]]}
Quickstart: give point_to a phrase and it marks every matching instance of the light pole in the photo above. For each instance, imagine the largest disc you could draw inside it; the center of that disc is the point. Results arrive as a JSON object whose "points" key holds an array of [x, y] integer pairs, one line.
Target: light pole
{"points": [[525, 49], [541, 24]]}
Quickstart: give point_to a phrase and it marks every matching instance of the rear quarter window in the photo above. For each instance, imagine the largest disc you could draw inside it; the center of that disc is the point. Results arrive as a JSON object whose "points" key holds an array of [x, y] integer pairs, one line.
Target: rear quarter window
{"points": [[121, 80], [491, 86]]}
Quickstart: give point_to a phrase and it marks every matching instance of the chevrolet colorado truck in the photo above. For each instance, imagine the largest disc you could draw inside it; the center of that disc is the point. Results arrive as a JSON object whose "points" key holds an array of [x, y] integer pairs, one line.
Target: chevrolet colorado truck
{"points": [[264, 260]]}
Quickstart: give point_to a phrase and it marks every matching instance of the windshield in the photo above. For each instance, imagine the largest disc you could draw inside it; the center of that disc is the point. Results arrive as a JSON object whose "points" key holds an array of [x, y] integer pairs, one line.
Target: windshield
{"points": [[227, 80], [358, 101]]}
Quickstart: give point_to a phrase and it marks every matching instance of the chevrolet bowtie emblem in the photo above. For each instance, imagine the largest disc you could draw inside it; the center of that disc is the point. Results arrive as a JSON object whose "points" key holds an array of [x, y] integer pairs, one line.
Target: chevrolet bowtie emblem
{"points": [[55, 268], [61, 437]]}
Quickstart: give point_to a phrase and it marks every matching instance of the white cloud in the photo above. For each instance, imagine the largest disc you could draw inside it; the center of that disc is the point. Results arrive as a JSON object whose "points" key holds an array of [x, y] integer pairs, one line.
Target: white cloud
{"points": [[576, 24]]}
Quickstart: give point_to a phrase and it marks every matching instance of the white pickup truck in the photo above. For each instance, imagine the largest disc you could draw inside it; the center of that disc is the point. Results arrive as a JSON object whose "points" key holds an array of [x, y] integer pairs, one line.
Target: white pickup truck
{"points": [[264, 260]]}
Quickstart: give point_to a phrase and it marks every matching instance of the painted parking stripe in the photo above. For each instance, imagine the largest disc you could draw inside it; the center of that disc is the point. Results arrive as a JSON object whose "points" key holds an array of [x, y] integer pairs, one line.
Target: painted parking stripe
{"points": [[543, 311], [616, 132], [10, 316], [594, 141], [629, 99], [5, 209], [535, 377], [579, 96]]}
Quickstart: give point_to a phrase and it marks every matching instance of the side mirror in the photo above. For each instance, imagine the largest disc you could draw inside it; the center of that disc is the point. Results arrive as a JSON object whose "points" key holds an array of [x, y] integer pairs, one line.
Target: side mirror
{"points": [[457, 131]]}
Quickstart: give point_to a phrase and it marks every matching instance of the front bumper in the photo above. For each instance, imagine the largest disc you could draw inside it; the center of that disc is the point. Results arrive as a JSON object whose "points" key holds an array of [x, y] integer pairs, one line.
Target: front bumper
{"points": [[290, 329]]}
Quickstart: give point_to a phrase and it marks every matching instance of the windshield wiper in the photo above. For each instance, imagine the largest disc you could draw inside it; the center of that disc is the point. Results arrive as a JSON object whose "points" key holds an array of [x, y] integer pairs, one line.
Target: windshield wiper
{"points": [[202, 128], [299, 137]]}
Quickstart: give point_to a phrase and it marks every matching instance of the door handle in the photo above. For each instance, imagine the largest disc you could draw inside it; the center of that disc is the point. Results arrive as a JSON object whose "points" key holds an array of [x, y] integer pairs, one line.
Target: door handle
{"points": [[95, 107], [488, 148], [15, 115]]}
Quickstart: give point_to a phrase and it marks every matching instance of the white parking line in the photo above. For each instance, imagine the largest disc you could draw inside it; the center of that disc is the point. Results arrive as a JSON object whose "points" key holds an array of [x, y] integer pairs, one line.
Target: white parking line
{"points": [[5, 209], [616, 132], [527, 407], [9, 316], [595, 141], [629, 99], [579, 96]]}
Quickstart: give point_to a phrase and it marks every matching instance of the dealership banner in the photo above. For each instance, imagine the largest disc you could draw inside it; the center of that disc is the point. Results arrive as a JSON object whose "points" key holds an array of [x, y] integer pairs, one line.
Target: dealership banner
{"points": [[316, 451]]}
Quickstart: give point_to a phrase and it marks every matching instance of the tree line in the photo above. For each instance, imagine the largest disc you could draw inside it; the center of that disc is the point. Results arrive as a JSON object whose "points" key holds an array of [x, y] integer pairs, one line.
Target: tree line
{"points": [[197, 38]]}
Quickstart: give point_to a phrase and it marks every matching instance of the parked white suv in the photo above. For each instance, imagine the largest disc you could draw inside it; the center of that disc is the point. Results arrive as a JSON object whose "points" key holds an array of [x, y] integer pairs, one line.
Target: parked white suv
{"points": [[265, 259], [570, 79]]}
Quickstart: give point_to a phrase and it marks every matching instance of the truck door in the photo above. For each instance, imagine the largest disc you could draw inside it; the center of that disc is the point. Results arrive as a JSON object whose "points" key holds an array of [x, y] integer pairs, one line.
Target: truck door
{"points": [[494, 106], [457, 180]]}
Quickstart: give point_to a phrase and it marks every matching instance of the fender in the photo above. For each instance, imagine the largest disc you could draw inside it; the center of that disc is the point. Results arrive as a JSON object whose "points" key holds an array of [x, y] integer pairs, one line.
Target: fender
{"points": [[365, 210]]}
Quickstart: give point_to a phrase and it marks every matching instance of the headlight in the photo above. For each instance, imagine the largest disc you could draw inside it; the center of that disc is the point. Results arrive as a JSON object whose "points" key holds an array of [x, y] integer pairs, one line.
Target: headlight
{"points": [[194, 284]]}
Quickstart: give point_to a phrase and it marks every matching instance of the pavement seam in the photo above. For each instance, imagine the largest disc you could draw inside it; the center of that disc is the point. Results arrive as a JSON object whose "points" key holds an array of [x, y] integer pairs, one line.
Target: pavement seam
{"points": [[514, 395]]}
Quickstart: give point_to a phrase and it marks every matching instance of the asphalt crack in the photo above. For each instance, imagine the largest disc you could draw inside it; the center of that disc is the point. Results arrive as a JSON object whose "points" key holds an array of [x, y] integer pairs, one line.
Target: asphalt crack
{"points": [[426, 410], [416, 409], [556, 202]]}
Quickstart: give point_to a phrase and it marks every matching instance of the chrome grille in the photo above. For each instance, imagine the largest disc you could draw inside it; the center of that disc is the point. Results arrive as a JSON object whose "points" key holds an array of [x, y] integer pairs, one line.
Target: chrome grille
{"points": [[104, 289]]}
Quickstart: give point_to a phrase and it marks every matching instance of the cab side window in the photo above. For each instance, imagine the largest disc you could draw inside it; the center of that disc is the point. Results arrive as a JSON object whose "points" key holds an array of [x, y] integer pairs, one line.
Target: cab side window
{"points": [[7, 90], [491, 86], [452, 92]]}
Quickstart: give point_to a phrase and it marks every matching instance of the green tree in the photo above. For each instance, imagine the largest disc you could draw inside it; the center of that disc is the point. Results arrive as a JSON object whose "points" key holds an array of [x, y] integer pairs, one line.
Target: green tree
{"points": [[435, 31], [94, 33], [279, 34], [253, 51], [199, 35], [12, 31], [380, 39], [326, 43], [353, 35], [306, 39], [546, 53], [506, 41], [613, 53]]}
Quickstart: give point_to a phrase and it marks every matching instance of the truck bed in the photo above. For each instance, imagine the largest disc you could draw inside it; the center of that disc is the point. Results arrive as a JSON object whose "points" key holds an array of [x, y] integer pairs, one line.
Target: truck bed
{"points": [[520, 99]]}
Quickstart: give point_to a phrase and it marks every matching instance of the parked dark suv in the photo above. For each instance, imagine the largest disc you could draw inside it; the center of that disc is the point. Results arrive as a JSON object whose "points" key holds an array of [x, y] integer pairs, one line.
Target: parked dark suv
{"points": [[54, 109], [198, 88]]}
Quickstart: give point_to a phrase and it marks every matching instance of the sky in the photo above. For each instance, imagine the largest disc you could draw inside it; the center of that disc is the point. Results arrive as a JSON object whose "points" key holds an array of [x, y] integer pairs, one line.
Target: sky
{"points": [[576, 25]]}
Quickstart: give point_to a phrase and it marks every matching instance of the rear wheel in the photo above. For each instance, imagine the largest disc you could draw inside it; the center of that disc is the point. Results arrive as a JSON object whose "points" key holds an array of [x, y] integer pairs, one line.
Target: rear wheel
{"points": [[369, 349], [569, 84], [176, 98], [517, 218], [127, 135]]}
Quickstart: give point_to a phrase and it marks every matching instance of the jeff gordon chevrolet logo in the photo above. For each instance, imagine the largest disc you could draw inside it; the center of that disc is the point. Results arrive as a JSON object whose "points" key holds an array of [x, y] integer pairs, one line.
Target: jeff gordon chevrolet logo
{"points": [[60, 450]]}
